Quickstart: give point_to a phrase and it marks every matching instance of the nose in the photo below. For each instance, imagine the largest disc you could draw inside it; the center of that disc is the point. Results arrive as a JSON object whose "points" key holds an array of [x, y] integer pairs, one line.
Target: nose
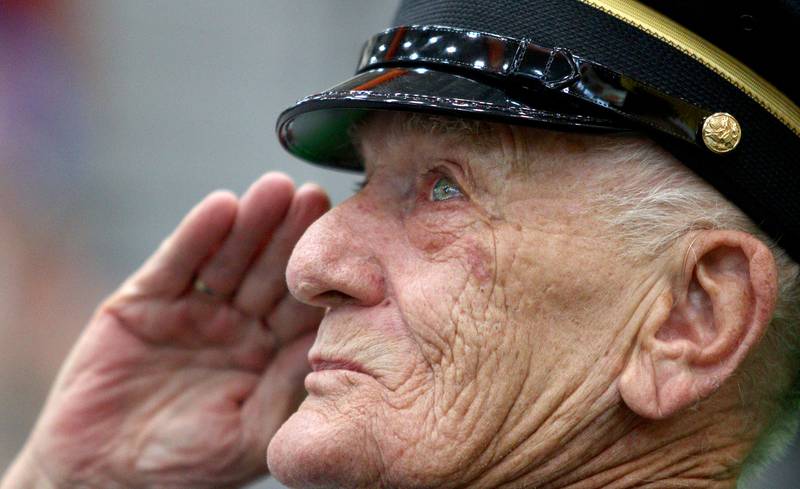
{"points": [[335, 262]]}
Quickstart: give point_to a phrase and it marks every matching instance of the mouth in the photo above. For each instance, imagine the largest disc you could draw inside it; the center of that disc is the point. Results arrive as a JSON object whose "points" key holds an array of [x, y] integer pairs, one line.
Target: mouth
{"points": [[319, 364]]}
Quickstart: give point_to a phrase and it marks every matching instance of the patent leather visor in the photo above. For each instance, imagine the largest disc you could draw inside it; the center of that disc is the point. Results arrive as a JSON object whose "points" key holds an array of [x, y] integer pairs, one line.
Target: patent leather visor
{"points": [[443, 70]]}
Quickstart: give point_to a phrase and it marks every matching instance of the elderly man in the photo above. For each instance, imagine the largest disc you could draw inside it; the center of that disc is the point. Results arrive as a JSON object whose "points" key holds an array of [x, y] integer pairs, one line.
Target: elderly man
{"points": [[504, 303]]}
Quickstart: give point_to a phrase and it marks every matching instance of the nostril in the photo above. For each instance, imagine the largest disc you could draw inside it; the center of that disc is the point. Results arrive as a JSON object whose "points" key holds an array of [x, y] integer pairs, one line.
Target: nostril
{"points": [[334, 298]]}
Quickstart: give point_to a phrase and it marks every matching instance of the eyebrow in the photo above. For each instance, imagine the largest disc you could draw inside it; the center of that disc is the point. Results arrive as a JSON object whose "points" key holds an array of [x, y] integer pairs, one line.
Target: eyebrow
{"points": [[478, 133]]}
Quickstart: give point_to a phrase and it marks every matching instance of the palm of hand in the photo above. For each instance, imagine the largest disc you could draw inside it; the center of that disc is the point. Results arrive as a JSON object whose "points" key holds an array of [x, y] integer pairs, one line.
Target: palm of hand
{"points": [[172, 387]]}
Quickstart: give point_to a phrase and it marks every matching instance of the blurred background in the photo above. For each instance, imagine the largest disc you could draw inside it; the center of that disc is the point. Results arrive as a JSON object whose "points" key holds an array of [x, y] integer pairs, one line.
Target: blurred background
{"points": [[116, 116]]}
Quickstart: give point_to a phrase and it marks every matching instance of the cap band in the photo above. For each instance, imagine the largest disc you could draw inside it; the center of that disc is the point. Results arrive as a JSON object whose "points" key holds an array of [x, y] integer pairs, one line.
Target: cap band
{"points": [[524, 64], [737, 74]]}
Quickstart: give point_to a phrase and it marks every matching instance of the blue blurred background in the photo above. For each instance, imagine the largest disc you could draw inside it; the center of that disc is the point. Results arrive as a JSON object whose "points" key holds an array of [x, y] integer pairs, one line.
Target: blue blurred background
{"points": [[115, 117]]}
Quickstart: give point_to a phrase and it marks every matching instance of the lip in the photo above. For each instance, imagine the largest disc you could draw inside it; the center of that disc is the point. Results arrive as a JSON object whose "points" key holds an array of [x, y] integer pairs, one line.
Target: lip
{"points": [[319, 364]]}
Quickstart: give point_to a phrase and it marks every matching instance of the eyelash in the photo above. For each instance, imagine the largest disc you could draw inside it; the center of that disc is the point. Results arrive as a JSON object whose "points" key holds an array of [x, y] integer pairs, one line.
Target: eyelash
{"points": [[360, 184]]}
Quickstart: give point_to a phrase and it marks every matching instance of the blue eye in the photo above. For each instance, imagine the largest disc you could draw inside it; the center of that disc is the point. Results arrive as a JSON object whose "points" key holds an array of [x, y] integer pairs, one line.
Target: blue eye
{"points": [[445, 189]]}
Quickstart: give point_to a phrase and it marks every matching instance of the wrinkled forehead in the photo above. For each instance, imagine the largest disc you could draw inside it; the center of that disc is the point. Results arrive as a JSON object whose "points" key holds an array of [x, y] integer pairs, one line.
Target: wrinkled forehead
{"points": [[519, 148], [383, 131]]}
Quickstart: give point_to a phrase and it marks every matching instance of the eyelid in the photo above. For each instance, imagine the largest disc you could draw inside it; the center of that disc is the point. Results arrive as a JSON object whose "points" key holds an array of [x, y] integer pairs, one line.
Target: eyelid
{"points": [[455, 172], [459, 172]]}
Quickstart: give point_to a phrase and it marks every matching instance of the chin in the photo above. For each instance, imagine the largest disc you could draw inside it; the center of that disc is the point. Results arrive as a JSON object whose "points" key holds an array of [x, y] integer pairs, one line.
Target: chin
{"points": [[311, 450]]}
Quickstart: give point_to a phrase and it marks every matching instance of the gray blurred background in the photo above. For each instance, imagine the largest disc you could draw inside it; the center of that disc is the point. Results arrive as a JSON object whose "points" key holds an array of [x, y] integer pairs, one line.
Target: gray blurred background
{"points": [[115, 118]]}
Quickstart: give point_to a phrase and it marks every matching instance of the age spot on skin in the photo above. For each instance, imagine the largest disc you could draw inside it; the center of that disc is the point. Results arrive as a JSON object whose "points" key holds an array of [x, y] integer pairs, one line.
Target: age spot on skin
{"points": [[480, 261]]}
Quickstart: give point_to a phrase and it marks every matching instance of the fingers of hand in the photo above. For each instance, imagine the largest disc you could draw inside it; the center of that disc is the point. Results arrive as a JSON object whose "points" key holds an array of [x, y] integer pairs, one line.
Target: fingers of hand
{"points": [[171, 268], [261, 209], [238, 251], [264, 283], [279, 391]]}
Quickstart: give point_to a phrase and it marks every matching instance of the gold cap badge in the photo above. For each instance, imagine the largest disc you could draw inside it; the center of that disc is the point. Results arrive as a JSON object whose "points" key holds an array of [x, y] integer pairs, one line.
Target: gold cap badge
{"points": [[721, 132]]}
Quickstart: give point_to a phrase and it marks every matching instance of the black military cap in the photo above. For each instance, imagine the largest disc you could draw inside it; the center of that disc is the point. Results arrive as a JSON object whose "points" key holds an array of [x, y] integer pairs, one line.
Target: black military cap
{"points": [[712, 81]]}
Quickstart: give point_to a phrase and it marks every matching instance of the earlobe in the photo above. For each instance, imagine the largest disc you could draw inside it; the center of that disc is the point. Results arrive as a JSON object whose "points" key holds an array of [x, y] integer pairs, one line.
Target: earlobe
{"points": [[701, 329]]}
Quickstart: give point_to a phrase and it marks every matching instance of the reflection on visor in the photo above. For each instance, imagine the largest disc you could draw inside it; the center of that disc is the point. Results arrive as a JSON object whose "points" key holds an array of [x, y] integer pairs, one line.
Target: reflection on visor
{"points": [[323, 133]]}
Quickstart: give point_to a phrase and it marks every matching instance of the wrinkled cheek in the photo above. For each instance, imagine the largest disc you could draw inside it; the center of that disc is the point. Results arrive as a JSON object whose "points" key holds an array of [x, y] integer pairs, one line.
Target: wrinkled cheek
{"points": [[450, 283], [447, 300]]}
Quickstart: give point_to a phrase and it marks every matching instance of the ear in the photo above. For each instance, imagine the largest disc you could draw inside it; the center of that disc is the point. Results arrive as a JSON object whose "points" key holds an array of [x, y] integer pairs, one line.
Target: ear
{"points": [[722, 293]]}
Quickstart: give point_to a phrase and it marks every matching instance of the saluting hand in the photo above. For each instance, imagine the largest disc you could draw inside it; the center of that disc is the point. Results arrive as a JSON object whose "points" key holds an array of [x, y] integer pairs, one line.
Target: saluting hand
{"points": [[184, 374]]}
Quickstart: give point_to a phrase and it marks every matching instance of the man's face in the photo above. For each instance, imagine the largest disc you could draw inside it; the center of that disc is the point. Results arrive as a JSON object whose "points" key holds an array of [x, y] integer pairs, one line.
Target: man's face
{"points": [[475, 305]]}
